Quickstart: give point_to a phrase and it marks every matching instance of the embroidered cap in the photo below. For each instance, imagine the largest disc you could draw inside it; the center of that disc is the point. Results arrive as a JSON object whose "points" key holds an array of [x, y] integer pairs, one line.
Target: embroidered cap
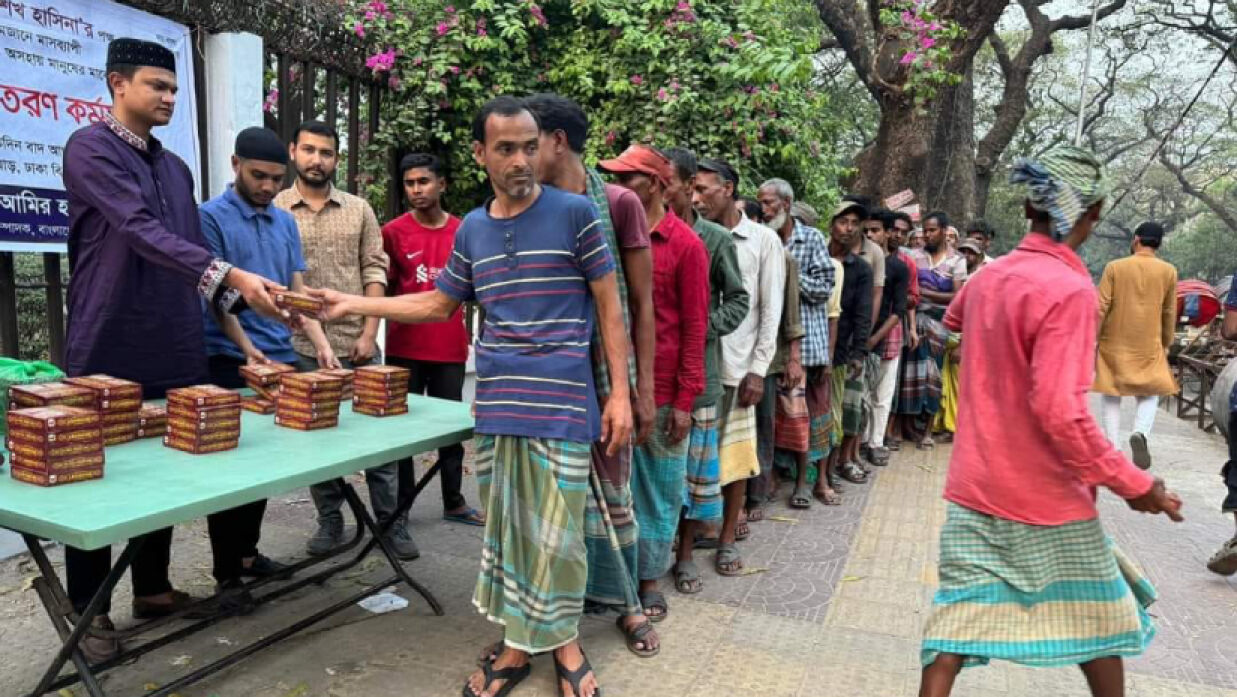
{"points": [[140, 53]]}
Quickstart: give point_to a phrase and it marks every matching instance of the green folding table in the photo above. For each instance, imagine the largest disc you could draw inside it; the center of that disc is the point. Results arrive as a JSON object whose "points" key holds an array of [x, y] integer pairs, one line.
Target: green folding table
{"points": [[147, 486]]}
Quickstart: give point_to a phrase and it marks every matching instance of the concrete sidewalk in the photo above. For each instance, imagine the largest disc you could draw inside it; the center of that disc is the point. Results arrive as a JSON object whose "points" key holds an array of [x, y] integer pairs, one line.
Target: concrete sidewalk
{"points": [[833, 607]]}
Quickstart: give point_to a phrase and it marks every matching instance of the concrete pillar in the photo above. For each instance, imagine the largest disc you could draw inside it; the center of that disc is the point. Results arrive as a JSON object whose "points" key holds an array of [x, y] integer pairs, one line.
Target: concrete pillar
{"points": [[234, 94]]}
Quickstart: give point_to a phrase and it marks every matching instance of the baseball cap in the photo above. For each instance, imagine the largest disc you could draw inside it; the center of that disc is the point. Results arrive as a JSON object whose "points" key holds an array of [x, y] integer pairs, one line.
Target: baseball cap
{"points": [[641, 159]]}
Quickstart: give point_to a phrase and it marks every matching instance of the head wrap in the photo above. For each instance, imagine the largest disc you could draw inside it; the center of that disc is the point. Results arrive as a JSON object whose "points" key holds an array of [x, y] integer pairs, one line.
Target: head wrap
{"points": [[1063, 183], [258, 143], [139, 53]]}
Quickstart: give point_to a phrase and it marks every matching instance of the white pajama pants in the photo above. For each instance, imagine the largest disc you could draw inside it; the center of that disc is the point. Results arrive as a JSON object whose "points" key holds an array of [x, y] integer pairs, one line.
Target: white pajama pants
{"points": [[1144, 416], [883, 387]]}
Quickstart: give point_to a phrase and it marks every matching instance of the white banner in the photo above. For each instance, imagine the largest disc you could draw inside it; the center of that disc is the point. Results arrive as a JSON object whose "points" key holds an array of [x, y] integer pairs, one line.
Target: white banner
{"points": [[52, 82]]}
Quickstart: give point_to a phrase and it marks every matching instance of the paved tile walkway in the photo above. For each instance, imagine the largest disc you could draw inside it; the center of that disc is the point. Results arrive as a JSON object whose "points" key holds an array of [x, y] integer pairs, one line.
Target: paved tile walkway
{"points": [[834, 607]]}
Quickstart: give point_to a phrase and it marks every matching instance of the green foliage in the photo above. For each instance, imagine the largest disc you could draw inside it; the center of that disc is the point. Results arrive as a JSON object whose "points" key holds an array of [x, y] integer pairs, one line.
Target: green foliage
{"points": [[928, 40], [1205, 249], [727, 79]]}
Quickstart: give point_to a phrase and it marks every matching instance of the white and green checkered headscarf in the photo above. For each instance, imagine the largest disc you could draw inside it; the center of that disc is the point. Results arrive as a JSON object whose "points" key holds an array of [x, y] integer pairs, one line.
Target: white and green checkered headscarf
{"points": [[1063, 183]]}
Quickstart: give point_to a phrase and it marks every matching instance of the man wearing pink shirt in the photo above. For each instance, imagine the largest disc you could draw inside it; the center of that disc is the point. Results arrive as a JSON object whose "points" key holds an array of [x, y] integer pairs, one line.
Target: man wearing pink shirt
{"points": [[1027, 573]]}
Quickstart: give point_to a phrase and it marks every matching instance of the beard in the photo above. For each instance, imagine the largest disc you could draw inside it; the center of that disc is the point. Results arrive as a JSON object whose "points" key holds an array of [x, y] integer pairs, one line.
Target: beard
{"points": [[778, 221], [932, 247]]}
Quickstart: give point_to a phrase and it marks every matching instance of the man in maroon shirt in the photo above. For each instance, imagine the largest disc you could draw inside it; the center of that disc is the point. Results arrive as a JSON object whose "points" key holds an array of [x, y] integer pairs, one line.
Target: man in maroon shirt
{"points": [[419, 243], [681, 311]]}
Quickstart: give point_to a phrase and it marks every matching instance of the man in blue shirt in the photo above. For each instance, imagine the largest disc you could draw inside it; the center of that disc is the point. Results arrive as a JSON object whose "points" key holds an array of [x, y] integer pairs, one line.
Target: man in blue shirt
{"points": [[242, 228], [535, 258]]}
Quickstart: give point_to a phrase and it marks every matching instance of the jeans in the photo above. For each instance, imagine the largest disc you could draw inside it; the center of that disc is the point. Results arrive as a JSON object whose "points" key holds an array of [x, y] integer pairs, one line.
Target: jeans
{"points": [[1144, 416], [382, 480], [444, 381], [85, 570], [234, 533]]}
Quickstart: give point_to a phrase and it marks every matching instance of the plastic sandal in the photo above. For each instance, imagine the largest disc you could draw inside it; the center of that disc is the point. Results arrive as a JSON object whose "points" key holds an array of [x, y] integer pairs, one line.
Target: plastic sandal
{"points": [[574, 677], [636, 635], [512, 676]]}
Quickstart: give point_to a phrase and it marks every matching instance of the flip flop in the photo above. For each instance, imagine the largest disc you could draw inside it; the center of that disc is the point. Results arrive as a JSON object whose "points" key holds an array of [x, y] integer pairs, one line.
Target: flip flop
{"points": [[926, 444], [636, 635], [687, 579], [728, 554], [742, 531], [469, 516], [512, 676], [755, 514], [802, 498], [573, 677], [657, 600]]}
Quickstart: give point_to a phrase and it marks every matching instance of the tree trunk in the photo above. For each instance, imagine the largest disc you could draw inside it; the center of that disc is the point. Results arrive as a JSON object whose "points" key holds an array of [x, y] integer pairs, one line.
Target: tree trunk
{"points": [[932, 154]]}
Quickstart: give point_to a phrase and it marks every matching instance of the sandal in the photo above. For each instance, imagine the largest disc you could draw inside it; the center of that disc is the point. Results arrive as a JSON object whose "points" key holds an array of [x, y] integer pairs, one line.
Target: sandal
{"points": [[705, 543], [879, 457], [574, 677], [926, 444], [802, 498], [728, 555], [829, 498], [852, 472], [490, 653], [512, 676], [654, 600], [893, 444], [638, 635], [687, 579], [834, 481], [755, 514], [469, 516], [1224, 561]]}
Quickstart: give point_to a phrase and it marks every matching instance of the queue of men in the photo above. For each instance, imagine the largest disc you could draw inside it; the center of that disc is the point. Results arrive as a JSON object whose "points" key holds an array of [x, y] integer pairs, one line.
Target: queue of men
{"points": [[652, 364]]}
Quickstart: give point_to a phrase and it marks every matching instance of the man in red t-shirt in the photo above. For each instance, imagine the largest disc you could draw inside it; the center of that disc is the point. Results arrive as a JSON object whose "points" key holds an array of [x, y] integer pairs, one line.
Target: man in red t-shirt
{"points": [[419, 243]]}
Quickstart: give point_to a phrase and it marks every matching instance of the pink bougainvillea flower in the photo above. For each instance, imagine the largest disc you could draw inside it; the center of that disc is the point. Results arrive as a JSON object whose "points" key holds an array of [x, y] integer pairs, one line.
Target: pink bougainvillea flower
{"points": [[450, 9], [674, 86], [381, 62], [370, 16], [611, 136], [393, 82], [378, 6], [359, 29], [927, 42], [662, 94], [908, 57], [442, 28], [637, 80], [535, 10], [416, 62], [455, 69]]}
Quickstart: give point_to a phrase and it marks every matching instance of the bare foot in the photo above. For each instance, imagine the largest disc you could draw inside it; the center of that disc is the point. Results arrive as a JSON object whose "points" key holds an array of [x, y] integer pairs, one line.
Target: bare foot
{"points": [[509, 658]]}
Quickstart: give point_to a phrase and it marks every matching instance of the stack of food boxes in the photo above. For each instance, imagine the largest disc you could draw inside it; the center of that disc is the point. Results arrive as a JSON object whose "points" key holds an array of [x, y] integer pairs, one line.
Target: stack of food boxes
{"points": [[152, 421], [55, 444], [263, 379], [118, 402], [345, 375], [380, 390], [203, 419], [308, 401]]}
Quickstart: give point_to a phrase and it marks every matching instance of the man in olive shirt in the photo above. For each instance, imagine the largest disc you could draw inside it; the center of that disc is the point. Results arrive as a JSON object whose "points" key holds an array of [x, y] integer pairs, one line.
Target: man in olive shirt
{"points": [[728, 305]]}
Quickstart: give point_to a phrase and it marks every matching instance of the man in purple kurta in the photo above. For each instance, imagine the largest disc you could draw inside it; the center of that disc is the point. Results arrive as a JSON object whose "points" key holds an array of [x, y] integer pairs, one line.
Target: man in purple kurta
{"points": [[139, 271]]}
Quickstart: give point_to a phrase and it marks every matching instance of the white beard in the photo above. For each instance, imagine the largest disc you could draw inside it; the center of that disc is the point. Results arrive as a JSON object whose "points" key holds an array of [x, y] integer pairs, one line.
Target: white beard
{"points": [[778, 221]]}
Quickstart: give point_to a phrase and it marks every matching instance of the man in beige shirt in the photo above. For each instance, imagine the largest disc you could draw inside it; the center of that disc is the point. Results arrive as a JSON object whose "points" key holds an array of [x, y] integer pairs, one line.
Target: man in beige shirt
{"points": [[342, 245]]}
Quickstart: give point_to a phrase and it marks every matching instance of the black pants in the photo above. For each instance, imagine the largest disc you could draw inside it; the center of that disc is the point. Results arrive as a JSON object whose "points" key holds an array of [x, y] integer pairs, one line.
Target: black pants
{"points": [[760, 486], [85, 570], [234, 533], [444, 381]]}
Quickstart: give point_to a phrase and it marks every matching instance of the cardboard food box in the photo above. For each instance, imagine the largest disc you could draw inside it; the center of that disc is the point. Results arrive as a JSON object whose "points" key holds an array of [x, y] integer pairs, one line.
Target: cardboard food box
{"points": [[258, 405], [52, 419], [91, 460], [379, 411], [297, 302], [315, 401], [114, 406], [313, 381], [381, 375], [202, 396], [43, 478], [46, 394], [108, 387], [151, 410], [264, 374], [266, 392], [110, 430], [111, 418], [344, 374], [152, 423], [200, 438], [301, 424], [154, 431], [197, 448], [120, 439], [225, 412], [178, 425], [45, 450]]}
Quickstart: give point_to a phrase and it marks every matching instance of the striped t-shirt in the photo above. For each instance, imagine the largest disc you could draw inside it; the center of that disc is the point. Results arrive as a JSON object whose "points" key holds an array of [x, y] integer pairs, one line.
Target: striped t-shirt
{"points": [[531, 274]]}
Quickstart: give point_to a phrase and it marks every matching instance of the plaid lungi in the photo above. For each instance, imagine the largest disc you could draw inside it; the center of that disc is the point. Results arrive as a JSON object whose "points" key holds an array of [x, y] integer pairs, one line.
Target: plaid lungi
{"points": [[819, 394], [848, 409], [533, 561], [792, 424], [919, 391], [611, 533], [702, 491], [658, 471], [1034, 594], [737, 439]]}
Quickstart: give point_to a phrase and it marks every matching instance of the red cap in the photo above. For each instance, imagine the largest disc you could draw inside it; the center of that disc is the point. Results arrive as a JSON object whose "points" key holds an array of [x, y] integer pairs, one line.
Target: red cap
{"points": [[642, 159]]}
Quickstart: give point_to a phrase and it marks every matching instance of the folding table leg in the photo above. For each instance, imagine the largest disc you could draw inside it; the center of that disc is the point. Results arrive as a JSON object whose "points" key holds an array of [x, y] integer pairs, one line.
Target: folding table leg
{"points": [[379, 538], [69, 646], [44, 589]]}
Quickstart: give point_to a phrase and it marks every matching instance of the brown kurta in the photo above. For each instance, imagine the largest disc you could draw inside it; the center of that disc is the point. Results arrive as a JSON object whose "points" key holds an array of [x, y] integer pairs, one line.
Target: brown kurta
{"points": [[1138, 311]]}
